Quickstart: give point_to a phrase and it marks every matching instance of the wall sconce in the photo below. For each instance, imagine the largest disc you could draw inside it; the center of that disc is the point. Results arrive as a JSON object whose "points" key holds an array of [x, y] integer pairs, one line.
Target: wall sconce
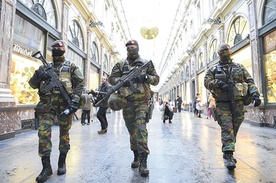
{"points": [[215, 20], [114, 53], [94, 24], [190, 51]]}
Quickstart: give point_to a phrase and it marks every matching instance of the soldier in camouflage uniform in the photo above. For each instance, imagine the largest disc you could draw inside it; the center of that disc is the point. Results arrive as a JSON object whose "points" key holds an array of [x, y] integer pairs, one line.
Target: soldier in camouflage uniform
{"points": [[230, 112], [52, 104], [137, 95]]}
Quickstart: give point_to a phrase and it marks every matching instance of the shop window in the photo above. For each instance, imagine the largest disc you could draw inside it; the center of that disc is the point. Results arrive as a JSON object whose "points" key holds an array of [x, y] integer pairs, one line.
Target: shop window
{"points": [[269, 11], [94, 53], [23, 64], [213, 50], [75, 58], [239, 30], [200, 61], [270, 60], [21, 71], [45, 9], [270, 65], [75, 34]]}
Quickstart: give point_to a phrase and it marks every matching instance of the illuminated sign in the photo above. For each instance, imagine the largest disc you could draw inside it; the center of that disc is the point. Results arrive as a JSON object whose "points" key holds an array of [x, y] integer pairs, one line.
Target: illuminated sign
{"points": [[22, 51]]}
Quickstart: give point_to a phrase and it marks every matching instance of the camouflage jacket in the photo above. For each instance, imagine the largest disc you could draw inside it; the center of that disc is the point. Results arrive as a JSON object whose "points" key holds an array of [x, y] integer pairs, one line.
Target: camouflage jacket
{"points": [[242, 81], [71, 77], [137, 91]]}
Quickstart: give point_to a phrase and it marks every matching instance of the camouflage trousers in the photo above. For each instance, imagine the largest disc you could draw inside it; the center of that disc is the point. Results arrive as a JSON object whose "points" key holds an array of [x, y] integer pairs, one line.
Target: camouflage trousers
{"points": [[46, 121], [135, 120], [229, 124]]}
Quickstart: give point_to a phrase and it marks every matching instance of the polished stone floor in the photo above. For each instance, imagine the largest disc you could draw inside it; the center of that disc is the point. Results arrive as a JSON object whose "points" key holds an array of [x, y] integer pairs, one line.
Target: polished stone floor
{"points": [[187, 150]]}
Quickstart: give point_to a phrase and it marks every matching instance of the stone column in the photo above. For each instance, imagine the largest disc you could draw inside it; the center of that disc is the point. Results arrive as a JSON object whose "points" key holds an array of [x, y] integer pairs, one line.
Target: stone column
{"points": [[255, 45], [8, 118], [7, 10]]}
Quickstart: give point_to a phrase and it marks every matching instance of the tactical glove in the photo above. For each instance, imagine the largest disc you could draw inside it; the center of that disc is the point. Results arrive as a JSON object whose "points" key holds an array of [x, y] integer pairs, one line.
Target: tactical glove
{"points": [[126, 83], [42, 75], [223, 86], [140, 78], [72, 108], [256, 100]]}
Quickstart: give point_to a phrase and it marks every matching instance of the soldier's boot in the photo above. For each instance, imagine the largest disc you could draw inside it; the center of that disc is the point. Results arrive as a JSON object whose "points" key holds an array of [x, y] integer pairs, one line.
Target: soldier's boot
{"points": [[225, 157], [135, 163], [143, 169], [62, 164], [230, 164], [46, 171]]}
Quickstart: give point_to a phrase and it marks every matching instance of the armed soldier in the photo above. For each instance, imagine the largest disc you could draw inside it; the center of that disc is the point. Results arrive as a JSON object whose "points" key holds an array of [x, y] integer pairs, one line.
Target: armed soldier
{"points": [[53, 103], [133, 98], [230, 84]]}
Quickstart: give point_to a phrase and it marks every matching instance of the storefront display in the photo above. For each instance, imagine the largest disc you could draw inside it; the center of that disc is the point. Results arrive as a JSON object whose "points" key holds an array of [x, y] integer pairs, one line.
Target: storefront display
{"points": [[23, 65], [270, 65], [22, 70]]}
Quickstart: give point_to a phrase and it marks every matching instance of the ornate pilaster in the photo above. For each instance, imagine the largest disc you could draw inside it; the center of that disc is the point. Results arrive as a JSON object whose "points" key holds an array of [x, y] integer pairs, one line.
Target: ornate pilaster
{"points": [[254, 42], [8, 118], [6, 35]]}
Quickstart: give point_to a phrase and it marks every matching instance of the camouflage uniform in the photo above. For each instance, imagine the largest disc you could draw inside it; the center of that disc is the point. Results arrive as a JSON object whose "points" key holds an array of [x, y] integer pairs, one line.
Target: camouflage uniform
{"points": [[135, 112], [52, 104], [228, 120], [137, 95]]}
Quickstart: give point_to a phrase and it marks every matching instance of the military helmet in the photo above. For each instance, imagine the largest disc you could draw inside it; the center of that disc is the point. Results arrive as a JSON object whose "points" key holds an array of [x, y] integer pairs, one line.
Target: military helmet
{"points": [[116, 102], [132, 42], [223, 47], [58, 44]]}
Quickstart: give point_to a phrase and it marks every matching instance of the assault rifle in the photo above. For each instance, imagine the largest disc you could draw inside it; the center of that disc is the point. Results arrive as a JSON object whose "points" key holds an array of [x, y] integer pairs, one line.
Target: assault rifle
{"points": [[54, 81], [233, 107], [129, 77]]}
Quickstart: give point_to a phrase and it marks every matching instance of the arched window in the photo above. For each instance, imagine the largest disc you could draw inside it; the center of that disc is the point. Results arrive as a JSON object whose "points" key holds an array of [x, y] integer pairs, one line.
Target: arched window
{"points": [[213, 50], [94, 53], [105, 64], [269, 11], [182, 76], [239, 30], [45, 9], [187, 72], [200, 61], [75, 34]]}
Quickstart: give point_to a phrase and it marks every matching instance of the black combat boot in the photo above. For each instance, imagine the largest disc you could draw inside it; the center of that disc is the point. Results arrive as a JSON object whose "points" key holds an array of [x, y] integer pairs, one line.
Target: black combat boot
{"points": [[61, 164], [135, 163], [230, 164], [225, 157], [46, 171], [143, 169]]}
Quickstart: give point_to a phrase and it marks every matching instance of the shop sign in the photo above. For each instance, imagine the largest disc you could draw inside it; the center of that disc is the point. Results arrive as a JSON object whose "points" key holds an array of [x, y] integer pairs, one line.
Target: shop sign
{"points": [[270, 42], [22, 51]]}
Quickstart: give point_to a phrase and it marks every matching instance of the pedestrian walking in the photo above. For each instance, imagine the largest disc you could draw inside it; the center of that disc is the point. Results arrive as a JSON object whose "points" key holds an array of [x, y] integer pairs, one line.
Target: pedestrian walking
{"points": [[167, 112], [179, 103], [52, 104], [103, 106], [86, 110], [133, 98], [198, 107], [194, 104], [230, 83], [211, 106]]}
